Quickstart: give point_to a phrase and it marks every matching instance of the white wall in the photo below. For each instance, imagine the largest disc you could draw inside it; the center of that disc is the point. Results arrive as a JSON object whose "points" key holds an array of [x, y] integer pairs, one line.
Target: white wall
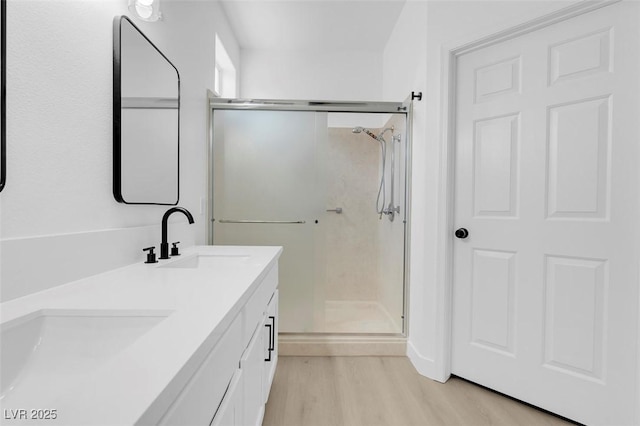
{"points": [[407, 45], [419, 47], [59, 130], [317, 75]]}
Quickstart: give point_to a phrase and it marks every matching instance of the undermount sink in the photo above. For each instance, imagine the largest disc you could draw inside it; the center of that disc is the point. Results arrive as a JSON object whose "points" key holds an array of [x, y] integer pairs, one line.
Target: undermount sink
{"points": [[210, 261], [47, 347]]}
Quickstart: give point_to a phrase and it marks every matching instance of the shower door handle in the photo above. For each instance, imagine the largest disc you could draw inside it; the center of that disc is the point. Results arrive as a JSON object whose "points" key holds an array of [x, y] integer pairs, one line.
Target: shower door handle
{"points": [[337, 210]]}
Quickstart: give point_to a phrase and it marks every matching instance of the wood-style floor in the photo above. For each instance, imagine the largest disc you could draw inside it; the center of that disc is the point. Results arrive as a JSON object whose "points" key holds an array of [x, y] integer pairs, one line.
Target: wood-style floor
{"points": [[368, 391]]}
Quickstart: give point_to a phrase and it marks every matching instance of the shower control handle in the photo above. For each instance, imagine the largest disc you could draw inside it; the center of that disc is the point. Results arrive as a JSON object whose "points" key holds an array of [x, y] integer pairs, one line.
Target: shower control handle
{"points": [[337, 210], [461, 233]]}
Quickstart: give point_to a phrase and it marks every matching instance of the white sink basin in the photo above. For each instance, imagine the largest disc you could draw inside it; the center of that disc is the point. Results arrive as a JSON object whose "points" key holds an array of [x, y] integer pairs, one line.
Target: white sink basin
{"points": [[210, 261], [45, 348]]}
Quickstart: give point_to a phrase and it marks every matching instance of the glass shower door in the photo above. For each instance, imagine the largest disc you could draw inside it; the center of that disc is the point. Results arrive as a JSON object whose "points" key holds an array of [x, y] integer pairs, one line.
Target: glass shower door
{"points": [[309, 182], [268, 190]]}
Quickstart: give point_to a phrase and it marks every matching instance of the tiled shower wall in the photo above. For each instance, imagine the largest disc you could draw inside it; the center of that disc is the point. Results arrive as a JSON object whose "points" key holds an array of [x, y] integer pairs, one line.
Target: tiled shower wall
{"points": [[353, 167], [365, 255]]}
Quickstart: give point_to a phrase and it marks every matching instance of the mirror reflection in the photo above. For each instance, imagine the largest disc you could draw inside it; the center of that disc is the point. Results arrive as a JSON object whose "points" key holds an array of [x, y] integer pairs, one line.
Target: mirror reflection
{"points": [[146, 120]]}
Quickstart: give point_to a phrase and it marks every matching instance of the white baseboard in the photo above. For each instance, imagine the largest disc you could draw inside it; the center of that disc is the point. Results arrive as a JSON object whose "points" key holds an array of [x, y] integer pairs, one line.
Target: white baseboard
{"points": [[338, 345]]}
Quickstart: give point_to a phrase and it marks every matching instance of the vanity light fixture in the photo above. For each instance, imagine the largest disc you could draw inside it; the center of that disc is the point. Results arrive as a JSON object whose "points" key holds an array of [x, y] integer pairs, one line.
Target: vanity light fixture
{"points": [[147, 10]]}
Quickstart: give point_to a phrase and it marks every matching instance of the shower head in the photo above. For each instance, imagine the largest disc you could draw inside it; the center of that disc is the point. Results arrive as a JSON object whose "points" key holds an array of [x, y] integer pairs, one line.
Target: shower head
{"points": [[367, 131]]}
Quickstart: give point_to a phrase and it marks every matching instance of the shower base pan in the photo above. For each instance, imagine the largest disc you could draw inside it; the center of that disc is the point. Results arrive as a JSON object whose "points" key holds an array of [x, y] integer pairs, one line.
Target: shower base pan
{"points": [[341, 345]]}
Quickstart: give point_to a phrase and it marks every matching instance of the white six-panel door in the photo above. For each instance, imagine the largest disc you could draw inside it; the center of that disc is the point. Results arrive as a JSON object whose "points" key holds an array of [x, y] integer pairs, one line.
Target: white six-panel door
{"points": [[546, 183]]}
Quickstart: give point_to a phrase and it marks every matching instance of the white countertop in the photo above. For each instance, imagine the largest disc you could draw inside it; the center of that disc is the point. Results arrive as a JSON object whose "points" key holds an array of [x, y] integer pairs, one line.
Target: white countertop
{"points": [[148, 374]]}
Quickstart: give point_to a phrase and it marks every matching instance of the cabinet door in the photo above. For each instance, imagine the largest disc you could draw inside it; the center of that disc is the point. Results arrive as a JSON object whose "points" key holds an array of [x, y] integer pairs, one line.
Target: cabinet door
{"points": [[270, 344], [230, 411], [201, 397], [252, 364]]}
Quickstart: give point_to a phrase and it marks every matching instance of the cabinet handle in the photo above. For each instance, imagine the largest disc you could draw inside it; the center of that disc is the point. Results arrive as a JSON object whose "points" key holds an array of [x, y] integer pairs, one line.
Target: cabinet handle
{"points": [[270, 329], [272, 336]]}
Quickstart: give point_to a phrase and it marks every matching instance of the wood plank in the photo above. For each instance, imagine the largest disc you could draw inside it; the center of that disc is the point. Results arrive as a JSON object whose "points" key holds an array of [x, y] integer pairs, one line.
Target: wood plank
{"points": [[328, 391]]}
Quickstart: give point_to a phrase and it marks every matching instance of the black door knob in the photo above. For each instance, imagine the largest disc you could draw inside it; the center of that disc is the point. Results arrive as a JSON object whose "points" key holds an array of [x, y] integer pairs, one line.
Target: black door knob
{"points": [[462, 233]]}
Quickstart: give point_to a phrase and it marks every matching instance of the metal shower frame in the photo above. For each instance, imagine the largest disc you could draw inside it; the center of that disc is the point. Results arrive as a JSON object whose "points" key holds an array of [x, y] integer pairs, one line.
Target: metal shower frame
{"points": [[406, 108]]}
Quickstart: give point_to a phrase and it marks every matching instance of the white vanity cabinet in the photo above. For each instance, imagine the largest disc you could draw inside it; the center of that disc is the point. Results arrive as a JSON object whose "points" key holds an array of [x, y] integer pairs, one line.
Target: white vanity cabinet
{"points": [[270, 344], [259, 358], [231, 386], [196, 404], [258, 363], [252, 366], [230, 411]]}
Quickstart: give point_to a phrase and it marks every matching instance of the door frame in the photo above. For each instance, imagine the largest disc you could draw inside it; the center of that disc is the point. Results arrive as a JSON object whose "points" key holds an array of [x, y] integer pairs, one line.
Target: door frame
{"points": [[446, 210]]}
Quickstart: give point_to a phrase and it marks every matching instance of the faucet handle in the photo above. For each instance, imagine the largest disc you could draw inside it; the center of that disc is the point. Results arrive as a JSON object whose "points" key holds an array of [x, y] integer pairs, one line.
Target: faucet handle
{"points": [[174, 249], [151, 256]]}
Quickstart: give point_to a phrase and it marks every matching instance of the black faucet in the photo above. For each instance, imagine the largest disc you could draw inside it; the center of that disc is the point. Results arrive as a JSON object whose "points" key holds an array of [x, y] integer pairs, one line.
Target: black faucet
{"points": [[164, 246]]}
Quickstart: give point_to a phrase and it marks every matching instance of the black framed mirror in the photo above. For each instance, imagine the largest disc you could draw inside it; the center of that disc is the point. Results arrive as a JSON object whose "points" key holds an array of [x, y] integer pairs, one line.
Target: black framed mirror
{"points": [[3, 95], [146, 119]]}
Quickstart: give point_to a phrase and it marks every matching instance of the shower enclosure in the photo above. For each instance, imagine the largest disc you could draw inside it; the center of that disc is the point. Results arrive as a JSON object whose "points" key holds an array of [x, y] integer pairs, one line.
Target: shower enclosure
{"points": [[327, 182]]}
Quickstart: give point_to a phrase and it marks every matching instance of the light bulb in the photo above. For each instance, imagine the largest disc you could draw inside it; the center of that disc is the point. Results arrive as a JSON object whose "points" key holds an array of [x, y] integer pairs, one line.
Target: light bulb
{"points": [[146, 10]]}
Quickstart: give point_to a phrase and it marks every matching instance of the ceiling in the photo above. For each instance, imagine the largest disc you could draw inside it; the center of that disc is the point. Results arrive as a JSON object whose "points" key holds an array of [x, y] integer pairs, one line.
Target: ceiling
{"points": [[313, 24]]}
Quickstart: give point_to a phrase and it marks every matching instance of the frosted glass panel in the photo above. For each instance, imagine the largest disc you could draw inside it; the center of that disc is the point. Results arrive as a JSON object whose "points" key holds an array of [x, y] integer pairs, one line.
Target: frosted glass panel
{"points": [[392, 234], [339, 272], [265, 169]]}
